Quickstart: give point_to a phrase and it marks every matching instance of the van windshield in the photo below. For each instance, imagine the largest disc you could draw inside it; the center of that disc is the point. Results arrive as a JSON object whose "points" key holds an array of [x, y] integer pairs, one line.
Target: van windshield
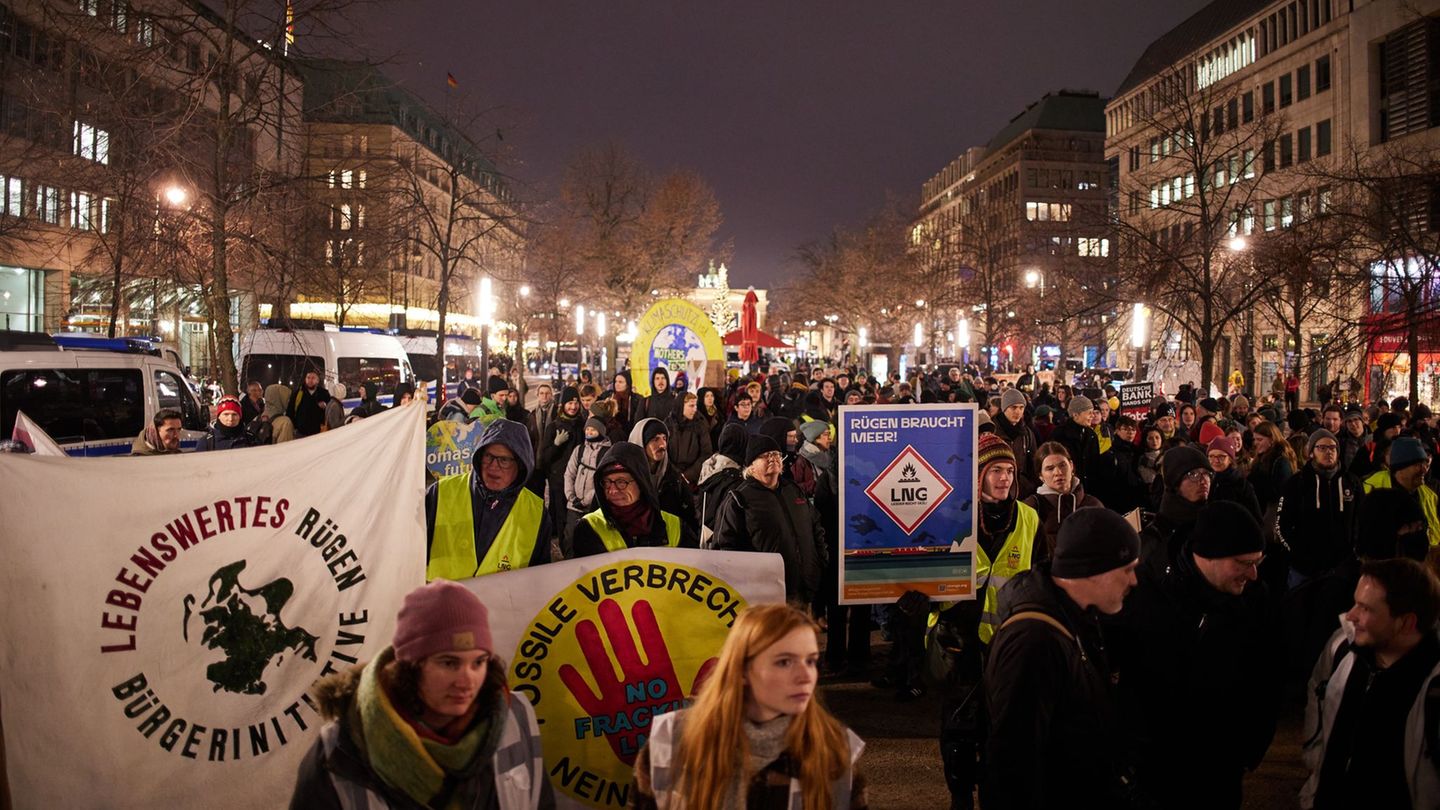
{"points": [[75, 404], [424, 366], [287, 369], [379, 375]]}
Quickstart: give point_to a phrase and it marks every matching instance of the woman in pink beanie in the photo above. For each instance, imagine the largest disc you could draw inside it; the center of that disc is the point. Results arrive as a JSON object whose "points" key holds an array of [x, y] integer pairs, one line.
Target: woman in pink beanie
{"points": [[430, 723]]}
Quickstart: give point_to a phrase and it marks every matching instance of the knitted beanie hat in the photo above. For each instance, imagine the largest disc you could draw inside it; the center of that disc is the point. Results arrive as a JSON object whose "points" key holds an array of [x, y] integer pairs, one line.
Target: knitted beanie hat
{"points": [[993, 449], [441, 616]]}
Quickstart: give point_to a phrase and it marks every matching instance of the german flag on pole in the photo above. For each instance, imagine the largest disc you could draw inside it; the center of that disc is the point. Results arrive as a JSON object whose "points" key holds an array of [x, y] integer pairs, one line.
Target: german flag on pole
{"points": [[450, 81]]}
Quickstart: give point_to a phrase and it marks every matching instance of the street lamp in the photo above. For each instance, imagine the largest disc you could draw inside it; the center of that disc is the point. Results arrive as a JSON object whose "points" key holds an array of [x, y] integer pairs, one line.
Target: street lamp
{"points": [[176, 196], [485, 314], [600, 333], [1238, 244], [1138, 327], [524, 290]]}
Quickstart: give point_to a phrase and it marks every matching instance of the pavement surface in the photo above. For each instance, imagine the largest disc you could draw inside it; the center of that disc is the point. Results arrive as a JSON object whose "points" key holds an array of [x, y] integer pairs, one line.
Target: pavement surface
{"points": [[902, 751]]}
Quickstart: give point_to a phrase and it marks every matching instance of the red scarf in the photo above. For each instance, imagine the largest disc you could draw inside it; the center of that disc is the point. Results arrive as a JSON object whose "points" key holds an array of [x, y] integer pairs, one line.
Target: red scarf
{"points": [[633, 520]]}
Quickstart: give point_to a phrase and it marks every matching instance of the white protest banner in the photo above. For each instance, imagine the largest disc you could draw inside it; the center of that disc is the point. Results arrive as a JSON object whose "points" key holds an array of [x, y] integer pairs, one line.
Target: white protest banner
{"points": [[163, 617], [602, 644], [34, 437]]}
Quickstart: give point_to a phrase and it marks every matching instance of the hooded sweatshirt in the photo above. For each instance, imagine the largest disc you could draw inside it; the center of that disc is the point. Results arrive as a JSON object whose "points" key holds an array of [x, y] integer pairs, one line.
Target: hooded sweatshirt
{"points": [[674, 494], [659, 405], [641, 524], [490, 508], [282, 428]]}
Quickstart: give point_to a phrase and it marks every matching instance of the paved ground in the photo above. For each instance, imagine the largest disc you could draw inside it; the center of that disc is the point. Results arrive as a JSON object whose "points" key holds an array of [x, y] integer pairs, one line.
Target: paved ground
{"points": [[902, 753]]}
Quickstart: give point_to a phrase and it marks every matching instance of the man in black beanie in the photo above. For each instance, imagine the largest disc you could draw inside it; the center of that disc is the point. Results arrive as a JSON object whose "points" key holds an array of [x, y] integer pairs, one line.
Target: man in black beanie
{"points": [[1199, 654], [1186, 477], [1054, 728], [768, 513]]}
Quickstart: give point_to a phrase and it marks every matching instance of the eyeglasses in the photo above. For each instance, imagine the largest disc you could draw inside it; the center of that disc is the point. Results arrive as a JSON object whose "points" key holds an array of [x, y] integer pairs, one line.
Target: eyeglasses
{"points": [[499, 462], [1327, 448], [1197, 475], [772, 457], [1254, 563], [617, 484]]}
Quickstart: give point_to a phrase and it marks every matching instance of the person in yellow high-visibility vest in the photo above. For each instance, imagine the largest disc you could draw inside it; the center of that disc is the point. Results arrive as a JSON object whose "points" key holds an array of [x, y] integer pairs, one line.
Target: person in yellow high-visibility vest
{"points": [[629, 515], [485, 520], [1408, 463], [1008, 542]]}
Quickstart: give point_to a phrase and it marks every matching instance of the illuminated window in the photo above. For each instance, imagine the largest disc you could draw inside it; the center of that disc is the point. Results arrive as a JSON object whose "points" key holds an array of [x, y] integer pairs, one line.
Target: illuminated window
{"points": [[91, 142], [80, 213]]}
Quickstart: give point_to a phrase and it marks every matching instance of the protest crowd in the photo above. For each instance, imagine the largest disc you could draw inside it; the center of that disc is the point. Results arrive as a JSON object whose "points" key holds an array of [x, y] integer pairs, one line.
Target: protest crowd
{"points": [[1153, 588]]}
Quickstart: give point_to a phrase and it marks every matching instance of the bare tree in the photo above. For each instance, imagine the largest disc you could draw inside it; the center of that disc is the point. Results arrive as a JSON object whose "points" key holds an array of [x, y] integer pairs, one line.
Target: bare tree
{"points": [[457, 214], [1382, 199], [643, 234], [1193, 192]]}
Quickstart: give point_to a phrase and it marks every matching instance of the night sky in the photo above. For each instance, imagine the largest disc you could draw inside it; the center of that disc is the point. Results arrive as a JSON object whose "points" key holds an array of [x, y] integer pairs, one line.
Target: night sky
{"points": [[802, 115]]}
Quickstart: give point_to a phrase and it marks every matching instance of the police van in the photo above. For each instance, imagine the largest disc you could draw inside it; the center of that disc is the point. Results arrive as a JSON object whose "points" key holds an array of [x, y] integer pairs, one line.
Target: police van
{"points": [[93, 396], [351, 357], [461, 352]]}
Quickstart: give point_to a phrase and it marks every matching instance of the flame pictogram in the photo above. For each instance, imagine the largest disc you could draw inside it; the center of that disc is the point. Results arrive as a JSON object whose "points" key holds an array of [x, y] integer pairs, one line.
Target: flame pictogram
{"points": [[908, 474]]}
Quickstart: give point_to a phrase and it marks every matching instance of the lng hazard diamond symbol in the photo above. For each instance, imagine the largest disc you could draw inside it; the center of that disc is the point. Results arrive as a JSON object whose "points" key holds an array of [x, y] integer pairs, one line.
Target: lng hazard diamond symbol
{"points": [[909, 490]]}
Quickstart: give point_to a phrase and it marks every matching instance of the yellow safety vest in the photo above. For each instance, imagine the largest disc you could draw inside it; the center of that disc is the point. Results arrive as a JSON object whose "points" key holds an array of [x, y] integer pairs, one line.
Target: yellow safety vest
{"points": [[1015, 556], [614, 541], [452, 547], [1428, 502]]}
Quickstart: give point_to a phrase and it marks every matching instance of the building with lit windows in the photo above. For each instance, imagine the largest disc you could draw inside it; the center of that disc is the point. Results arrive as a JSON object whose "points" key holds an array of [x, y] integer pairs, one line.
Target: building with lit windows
{"points": [[1020, 218], [108, 125], [374, 148], [1270, 93]]}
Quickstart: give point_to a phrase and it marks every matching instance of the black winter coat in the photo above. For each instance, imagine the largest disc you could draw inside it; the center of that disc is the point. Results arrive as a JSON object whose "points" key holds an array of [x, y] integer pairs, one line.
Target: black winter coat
{"points": [[1084, 446], [1235, 488], [632, 458], [689, 444], [1316, 519], [781, 520], [1023, 444], [1199, 686], [1166, 534], [1053, 737]]}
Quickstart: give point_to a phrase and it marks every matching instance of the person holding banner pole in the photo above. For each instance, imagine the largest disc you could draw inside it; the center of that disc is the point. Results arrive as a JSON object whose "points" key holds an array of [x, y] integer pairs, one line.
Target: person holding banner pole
{"points": [[629, 515], [485, 521], [756, 738], [430, 722]]}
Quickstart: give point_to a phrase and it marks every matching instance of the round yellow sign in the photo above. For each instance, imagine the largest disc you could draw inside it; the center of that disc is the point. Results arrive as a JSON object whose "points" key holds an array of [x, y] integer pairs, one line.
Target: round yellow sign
{"points": [[616, 648]]}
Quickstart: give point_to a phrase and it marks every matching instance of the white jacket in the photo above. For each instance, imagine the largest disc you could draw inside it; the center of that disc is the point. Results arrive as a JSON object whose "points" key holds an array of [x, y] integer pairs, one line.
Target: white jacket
{"points": [[1327, 687]]}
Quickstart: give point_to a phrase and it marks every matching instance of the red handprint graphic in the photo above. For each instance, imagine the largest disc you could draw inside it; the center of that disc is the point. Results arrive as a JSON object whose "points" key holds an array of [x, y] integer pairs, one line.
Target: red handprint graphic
{"points": [[623, 709]]}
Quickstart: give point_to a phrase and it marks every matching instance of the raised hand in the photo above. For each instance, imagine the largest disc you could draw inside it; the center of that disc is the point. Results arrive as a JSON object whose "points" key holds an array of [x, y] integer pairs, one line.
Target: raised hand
{"points": [[625, 705]]}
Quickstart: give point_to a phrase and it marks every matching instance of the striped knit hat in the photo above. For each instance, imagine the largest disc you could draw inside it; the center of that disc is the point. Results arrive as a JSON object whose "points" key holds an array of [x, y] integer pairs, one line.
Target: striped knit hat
{"points": [[993, 449]]}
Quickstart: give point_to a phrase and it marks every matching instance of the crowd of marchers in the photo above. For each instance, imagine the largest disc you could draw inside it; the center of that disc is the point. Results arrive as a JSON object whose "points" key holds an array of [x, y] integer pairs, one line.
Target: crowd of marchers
{"points": [[1280, 551]]}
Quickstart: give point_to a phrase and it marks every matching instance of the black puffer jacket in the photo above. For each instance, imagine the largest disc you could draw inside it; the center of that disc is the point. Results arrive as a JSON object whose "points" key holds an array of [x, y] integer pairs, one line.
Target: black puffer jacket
{"points": [[1054, 731], [1315, 518], [1189, 655], [632, 458], [781, 520]]}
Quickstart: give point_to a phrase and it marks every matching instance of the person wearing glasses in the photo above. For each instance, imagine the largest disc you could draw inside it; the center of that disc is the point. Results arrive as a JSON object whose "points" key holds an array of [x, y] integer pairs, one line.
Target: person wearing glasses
{"points": [[1187, 477], [430, 722], [1315, 517], [485, 521], [629, 515], [1199, 657], [769, 513]]}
